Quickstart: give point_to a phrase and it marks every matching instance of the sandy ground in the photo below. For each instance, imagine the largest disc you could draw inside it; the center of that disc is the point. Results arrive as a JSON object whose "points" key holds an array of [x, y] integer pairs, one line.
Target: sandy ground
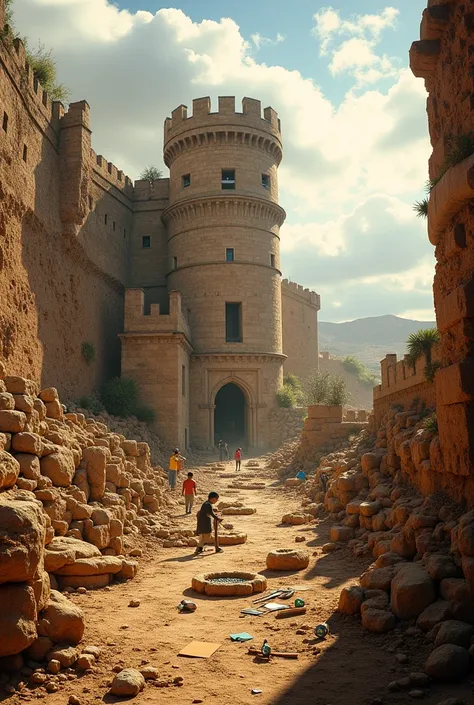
{"points": [[351, 667]]}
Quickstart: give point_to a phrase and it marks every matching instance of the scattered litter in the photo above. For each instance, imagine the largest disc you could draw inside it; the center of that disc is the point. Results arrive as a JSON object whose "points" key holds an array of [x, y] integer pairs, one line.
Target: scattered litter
{"points": [[321, 630], [255, 691], [252, 612], [282, 654], [243, 636], [186, 606], [266, 649], [199, 649], [292, 612], [299, 602], [274, 606]]}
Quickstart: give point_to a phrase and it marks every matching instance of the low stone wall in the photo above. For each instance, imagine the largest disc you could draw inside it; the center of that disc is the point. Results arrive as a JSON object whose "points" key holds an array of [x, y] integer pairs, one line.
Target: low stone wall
{"points": [[402, 384], [324, 429], [286, 424]]}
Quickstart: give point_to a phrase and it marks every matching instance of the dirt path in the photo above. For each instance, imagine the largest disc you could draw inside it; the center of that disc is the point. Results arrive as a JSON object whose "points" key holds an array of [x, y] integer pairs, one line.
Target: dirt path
{"points": [[349, 668]]}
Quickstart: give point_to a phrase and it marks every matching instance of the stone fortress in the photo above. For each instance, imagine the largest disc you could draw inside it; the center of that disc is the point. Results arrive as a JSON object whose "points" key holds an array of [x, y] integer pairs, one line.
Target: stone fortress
{"points": [[175, 282]]}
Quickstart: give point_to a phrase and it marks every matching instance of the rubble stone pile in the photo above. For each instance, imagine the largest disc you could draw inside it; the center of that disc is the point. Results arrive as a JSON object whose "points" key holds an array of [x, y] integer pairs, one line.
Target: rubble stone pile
{"points": [[422, 576], [74, 497]]}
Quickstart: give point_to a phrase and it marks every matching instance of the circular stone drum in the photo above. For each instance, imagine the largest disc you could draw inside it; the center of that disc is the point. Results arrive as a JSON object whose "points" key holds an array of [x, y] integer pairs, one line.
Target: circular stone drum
{"points": [[228, 584], [287, 559]]}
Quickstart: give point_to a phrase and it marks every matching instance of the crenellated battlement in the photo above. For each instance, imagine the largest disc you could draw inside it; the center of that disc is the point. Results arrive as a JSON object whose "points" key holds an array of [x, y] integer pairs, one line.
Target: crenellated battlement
{"points": [[111, 173], [155, 323], [14, 62], [311, 297], [204, 127]]}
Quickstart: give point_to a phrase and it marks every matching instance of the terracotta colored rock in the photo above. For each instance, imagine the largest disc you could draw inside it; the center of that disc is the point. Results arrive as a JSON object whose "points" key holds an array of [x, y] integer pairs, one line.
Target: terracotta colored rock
{"points": [[49, 394], [92, 566], [39, 648], [377, 579], [59, 467], [22, 536], [66, 655], [288, 559], [447, 662], [378, 621], [27, 443], [42, 589], [85, 661], [54, 410], [296, 519], [437, 612], [370, 461], [454, 632], [128, 570], [369, 509], [350, 600], [341, 533], [439, 566], [412, 590], [465, 534], [7, 401], [12, 421], [127, 683], [9, 470], [96, 459], [18, 622], [388, 558], [61, 621], [21, 385], [403, 545]]}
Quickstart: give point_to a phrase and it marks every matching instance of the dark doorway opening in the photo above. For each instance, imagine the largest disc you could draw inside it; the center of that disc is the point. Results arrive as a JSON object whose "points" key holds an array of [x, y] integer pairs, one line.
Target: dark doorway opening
{"points": [[230, 417]]}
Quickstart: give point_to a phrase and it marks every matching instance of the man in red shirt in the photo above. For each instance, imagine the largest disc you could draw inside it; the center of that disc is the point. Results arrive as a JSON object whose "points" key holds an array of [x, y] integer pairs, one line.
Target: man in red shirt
{"points": [[238, 458], [189, 492]]}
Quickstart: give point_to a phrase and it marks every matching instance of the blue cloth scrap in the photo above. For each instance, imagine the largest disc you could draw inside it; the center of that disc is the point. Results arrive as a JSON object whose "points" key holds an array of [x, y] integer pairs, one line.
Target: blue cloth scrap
{"points": [[243, 636]]}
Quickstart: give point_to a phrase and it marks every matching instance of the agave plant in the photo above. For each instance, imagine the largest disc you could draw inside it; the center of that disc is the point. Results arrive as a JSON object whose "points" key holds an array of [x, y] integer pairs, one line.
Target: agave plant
{"points": [[420, 344], [421, 208]]}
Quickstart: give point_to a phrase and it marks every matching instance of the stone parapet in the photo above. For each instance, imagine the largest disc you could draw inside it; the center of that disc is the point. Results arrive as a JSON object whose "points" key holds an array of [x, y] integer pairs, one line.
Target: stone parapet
{"points": [[136, 321]]}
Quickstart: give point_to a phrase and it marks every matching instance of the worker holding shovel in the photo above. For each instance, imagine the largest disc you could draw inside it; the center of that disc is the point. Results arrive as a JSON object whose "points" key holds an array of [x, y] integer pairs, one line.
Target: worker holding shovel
{"points": [[205, 517]]}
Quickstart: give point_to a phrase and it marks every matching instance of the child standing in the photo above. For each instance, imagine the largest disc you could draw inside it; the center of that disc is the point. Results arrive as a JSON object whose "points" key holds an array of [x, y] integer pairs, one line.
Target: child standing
{"points": [[175, 464], [189, 492], [238, 458], [204, 522]]}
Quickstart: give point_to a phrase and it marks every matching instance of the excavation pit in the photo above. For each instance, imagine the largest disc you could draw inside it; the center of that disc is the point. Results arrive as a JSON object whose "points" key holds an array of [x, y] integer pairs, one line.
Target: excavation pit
{"points": [[229, 584]]}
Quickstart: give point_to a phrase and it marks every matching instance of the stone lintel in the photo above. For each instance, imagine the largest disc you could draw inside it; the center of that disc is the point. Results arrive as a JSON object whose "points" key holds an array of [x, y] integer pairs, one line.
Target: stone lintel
{"points": [[424, 56], [455, 384], [455, 306]]}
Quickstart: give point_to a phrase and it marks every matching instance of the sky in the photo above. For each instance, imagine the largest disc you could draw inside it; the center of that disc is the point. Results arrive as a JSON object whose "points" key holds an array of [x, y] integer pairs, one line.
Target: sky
{"points": [[353, 120]]}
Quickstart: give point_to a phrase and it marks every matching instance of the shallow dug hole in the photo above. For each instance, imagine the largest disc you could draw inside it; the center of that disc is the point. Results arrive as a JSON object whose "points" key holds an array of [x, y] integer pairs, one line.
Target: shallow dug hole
{"points": [[228, 584]]}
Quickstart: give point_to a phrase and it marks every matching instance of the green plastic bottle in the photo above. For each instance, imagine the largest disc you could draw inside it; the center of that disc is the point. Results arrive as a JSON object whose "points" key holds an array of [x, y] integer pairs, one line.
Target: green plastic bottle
{"points": [[299, 602]]}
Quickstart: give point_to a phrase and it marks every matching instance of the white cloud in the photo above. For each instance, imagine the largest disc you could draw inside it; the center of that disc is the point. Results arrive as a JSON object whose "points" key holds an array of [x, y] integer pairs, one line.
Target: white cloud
{"points": [[259, 40], [351, 44], [350, 172]]}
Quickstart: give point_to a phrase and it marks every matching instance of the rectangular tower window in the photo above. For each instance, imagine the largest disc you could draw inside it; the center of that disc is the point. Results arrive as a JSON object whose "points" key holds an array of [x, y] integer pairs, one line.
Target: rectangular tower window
{"points": [[266, 180], [175, 263], [25, 152], [185, 437], [146, 241], [233, 323], [228, 179], [113, 226], [186, 180], [91, 203], [105, 218], [229, 254], [183, 380], [5, 122], [272, 260]]}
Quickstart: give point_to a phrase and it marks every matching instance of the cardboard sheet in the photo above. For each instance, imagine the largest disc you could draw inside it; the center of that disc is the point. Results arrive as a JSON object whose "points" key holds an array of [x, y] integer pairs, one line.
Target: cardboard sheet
{"points": [[199, 649]]}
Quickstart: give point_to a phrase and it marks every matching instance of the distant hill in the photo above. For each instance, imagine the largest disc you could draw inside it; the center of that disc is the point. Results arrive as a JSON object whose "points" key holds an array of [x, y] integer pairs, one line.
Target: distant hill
{"points": [[369, 339]]}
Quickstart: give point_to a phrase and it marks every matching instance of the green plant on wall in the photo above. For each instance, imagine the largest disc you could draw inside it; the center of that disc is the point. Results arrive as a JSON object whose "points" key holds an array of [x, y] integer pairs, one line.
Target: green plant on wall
{"points": [[88, 352], [151, 173], [356, 367], [420, 344], [338, 393], [421, 208]]}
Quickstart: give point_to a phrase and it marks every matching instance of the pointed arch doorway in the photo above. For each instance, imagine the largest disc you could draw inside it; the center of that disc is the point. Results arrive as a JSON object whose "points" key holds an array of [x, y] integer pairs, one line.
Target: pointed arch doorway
{"points": [[231, 416]]}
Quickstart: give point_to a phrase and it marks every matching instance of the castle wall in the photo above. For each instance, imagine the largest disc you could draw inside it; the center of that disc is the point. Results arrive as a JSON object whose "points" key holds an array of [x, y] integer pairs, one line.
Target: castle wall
{"points": [[402, 384], [155, 348], [442, 57], [300, 329], [61, 277]]}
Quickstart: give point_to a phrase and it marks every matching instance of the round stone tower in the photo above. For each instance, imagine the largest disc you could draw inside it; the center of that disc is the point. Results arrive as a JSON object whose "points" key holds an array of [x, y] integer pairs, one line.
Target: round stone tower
{"points": [[224, 257]]}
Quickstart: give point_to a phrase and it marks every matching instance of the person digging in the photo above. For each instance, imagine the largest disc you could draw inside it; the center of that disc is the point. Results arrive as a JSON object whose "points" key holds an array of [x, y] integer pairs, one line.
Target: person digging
{"points": [[205, 517]]}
